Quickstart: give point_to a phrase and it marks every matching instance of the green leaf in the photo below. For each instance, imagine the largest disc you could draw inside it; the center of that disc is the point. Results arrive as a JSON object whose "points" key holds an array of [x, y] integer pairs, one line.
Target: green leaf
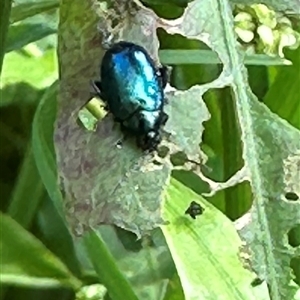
{"points": [[131, 171], [24, 10], [178, 57], [53, 232], [283, 97], [42, 144], [106, 268], [4, 25], [146, 263], [174, 291], [199, 259], [269, 144], [226, 156], [180, 3], [26, 261], [17, 64], [28, 188], [118, 185], [22, 34], [33, 29]]}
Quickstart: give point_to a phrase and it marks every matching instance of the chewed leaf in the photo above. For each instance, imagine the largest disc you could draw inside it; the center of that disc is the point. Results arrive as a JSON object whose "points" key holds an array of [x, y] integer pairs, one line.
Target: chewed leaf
{"points": [[199, 22], [105, 183], [141, 29], [268, 143], [275, 146], [110, 184], [292, 173], [187, 106]]}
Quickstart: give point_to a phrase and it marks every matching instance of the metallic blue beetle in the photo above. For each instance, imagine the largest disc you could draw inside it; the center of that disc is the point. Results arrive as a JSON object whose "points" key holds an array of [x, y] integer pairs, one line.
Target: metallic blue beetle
{"points": [[133, 89]]}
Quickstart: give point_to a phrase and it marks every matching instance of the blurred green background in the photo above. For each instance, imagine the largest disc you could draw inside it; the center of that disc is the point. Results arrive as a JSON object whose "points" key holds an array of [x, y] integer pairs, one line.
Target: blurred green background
{"points": [[30, 67]]}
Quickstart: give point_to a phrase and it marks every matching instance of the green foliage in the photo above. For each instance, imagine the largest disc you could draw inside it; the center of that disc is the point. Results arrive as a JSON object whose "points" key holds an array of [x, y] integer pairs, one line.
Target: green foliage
{"points": [[4, 24], [28, 262], [60, 181]]}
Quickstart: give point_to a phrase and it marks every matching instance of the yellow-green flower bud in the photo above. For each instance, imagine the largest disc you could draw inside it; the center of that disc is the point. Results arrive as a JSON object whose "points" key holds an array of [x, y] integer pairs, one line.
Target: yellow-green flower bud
{"points": [[265, 15]]}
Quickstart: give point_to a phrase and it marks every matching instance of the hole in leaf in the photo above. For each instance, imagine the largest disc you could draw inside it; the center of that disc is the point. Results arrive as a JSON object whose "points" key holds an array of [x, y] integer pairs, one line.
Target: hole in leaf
{"points": [[178, 159], [191, 180], [163, 151], [291, 196], [90, 114], [295, 266], [234, 201], [223, 147], [294, 236], [258, 80], [192, 61], [221, 138], [171, 10], [128, 239], [257, 281]]}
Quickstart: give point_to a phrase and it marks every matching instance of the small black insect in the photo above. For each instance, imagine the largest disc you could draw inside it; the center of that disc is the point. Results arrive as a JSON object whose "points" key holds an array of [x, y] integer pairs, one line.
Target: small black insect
{"points": [[195, 209], [257, 281], [133, 89]]}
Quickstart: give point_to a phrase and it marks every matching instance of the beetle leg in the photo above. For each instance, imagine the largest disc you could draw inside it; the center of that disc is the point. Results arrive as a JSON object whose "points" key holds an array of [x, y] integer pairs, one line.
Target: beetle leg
{"points": [[164, 118], [119, 121], [96, 85], [132, 114], [148, 142], [125, 132], [163, 74]]}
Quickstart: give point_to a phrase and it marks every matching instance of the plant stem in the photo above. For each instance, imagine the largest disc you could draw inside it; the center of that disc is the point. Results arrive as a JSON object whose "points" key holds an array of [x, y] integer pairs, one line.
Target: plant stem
{"points": [[4, 24]]}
